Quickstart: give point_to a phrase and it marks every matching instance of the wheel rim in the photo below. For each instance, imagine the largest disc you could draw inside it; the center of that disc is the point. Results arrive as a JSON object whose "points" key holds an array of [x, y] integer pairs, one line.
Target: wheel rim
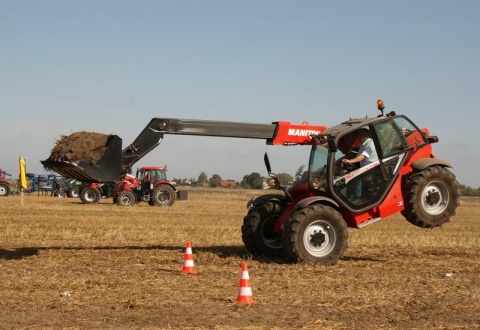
{"points": [[90, 196], [268, 235], [163, 196], [435, 198], [3, 190], [126, 200], [319, 238]]}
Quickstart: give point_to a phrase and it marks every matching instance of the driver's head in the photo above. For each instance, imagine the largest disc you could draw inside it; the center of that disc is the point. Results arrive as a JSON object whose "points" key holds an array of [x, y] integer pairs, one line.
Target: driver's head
{"points": [[363, 134]]}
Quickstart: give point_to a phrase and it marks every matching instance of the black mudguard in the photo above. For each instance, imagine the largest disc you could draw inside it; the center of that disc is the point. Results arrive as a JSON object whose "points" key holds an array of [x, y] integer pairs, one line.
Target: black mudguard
{"points": [[260, 200]]}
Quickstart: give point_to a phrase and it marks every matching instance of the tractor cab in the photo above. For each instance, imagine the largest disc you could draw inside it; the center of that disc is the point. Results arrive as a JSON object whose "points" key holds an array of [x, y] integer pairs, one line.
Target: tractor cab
{"points": [[150, 175], [357, 162]]}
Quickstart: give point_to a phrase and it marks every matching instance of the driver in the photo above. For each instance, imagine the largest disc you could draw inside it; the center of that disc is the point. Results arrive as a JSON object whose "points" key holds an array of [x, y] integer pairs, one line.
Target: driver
{"points": [[366, 153]]}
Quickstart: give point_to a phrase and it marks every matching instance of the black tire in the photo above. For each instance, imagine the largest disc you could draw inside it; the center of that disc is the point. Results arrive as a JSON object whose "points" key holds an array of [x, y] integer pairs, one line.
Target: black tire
{"points": [[4, 189], [316, 233], [125, 198], [257, 230], [73, 192], [59, 194], [90, 196], [431, 197], [163, 195]]}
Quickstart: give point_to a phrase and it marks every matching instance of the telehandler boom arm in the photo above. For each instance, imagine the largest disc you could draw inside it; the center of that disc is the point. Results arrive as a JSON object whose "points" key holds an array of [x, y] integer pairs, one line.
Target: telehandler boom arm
{"points": [[115, 163]]}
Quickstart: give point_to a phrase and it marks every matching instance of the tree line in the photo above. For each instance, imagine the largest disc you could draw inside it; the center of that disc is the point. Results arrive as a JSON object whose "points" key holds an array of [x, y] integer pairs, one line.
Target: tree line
{"points": [[469, 191], [256, 181], [250, 181]]}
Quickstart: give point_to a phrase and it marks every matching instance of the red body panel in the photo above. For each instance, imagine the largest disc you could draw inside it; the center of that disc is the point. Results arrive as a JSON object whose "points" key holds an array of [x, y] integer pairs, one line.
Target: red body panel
{"points": [[2, 176], [393, 202], [288, 133]]}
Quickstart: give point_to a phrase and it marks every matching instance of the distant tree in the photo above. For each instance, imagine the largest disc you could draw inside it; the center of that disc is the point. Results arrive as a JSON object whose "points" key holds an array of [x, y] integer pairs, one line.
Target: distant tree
{"points": [[253, 180], [299, 173], [202, 179], [215, 181], [284, 178], [469, 191]]}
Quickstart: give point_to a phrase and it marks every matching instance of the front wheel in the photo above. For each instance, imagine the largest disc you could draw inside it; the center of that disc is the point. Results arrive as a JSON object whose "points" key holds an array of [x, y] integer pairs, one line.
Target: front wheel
{"points": [[73, 192], [431, 197], [163, 195], [90, 196], [316, 233], [125, 198], [257, 230]]}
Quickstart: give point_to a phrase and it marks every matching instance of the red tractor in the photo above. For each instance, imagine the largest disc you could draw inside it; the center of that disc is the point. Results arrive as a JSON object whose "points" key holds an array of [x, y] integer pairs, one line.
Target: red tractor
{"points": [[4, 184], [149, 185], [309, 221]]}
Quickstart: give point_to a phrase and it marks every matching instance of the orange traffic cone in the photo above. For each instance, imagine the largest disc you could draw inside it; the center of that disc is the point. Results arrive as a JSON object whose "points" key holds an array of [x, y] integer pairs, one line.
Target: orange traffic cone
{"points": [[244, 288], [188, 266]]}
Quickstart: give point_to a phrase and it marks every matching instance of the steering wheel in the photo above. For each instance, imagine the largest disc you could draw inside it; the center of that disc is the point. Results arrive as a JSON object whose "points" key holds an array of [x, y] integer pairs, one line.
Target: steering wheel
{"points": [[349, 166]]}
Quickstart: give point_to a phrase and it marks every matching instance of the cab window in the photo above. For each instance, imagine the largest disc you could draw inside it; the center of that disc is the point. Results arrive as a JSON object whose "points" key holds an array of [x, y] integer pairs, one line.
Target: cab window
{"points": [[413, 136], [390, 138]]}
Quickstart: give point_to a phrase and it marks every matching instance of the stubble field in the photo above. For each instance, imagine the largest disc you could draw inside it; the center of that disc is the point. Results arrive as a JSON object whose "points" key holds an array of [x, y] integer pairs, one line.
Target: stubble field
{"points": [[65, 265]]}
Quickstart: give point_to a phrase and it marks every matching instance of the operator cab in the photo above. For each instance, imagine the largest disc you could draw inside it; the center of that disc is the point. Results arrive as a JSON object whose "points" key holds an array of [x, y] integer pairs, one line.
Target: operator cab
{"points": [[150, 175], [363, 184]]}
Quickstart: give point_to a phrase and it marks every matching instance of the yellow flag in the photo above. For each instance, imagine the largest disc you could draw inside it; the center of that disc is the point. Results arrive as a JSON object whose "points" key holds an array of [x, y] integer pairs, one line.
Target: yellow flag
{"points": [[23, 173]]}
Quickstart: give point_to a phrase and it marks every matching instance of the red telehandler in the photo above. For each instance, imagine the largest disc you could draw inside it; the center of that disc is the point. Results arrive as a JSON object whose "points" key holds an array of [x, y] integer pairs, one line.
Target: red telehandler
{"points": [[309, 221]]}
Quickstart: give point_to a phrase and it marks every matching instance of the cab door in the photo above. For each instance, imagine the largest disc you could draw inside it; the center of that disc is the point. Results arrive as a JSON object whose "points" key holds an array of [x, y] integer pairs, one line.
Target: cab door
{"points": [[366, 186]]}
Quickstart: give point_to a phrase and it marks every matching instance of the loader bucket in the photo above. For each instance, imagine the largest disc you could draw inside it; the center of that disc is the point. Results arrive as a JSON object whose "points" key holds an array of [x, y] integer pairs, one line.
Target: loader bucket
{"points": [[86, 162]]}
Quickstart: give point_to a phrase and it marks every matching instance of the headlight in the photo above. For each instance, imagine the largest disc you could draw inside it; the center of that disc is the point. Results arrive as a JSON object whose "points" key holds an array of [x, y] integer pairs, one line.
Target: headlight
{"points": [[272, 182]]}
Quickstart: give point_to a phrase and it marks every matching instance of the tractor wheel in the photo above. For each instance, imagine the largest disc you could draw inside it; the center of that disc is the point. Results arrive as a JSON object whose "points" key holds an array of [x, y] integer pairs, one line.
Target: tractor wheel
{"points": [[73, 192], [125, 198], [90, 196], [163, 195], [431, 197], [59, 194], [317, 234], [257, 230], [4, 189]]}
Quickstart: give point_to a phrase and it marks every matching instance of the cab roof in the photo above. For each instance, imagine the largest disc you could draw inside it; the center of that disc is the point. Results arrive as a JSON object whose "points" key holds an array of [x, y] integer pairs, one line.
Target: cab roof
{"points": [[353, 124]]}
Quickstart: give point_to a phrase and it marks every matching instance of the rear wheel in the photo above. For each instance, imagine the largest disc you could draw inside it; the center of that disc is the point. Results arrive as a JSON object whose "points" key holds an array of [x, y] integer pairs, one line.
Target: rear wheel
{"points": [[125, 198], [431, 197], [257, 230], [90, 196], [317, 234], [163, 195], [4, 189]]}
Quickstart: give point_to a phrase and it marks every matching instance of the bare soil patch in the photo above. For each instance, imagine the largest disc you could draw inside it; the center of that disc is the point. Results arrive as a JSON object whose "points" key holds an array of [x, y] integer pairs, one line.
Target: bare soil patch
{"points": [[79, 146], [65, 265]]}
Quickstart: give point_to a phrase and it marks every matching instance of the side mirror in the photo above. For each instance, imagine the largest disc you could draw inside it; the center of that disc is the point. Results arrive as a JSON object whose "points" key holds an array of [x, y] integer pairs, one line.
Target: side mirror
{"points": [[267, 163], [332, 145]]}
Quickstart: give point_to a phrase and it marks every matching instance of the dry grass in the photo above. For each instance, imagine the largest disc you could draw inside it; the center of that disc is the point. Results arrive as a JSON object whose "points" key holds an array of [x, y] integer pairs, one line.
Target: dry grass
{"points": [[122, 269]]}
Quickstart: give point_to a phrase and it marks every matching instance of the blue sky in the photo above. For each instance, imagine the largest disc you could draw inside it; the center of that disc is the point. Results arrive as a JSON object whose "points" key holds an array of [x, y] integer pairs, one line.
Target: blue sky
{"points": [[111, 66]]}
